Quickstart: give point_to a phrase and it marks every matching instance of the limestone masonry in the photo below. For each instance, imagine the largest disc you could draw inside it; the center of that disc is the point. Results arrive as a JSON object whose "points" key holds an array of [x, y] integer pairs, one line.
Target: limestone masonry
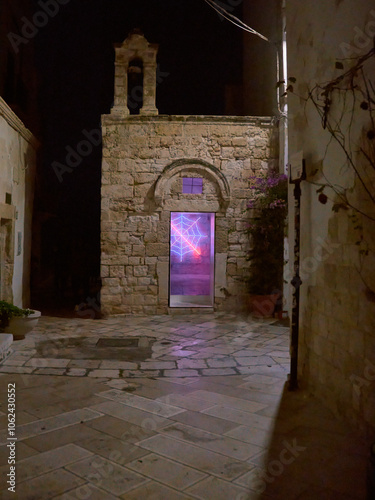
{"points": [[144, 161]]}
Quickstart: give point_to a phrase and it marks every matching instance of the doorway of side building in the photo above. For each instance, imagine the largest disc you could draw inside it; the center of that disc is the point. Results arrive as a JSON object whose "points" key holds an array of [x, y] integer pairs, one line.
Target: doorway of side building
{"points": [[192, 259]]}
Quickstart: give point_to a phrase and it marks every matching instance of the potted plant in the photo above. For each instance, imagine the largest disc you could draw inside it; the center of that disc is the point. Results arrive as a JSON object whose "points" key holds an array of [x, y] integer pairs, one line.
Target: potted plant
{"points": [[268, 211], [17, 321]]}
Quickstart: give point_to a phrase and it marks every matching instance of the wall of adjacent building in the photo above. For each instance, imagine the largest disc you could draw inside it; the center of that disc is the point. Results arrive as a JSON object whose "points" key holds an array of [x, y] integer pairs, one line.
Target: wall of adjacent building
{"points": [[337, 324], [260, 73], [17, 171], [144, 159]]}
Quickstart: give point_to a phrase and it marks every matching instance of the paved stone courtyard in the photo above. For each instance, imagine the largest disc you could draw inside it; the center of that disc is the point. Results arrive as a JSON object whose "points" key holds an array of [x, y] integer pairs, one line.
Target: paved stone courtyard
{"points": [[184, 346], [205, 416]]}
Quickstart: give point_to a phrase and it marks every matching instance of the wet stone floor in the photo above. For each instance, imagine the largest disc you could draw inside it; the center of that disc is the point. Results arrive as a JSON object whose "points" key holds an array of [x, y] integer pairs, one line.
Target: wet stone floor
{"points": [[169, 408], [161, 346]]}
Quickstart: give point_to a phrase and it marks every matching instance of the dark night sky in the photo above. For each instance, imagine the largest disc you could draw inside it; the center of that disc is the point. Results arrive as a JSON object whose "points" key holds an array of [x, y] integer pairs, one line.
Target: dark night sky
{"points": [[75, 59]]}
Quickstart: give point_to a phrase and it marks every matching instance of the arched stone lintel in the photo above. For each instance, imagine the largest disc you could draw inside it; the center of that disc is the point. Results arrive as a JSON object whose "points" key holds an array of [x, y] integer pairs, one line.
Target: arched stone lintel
{"points": [[162, 185]]}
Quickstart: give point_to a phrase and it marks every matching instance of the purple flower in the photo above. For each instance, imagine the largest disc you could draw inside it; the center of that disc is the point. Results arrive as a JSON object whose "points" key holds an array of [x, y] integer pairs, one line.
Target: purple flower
{"points": [[269, 192]]}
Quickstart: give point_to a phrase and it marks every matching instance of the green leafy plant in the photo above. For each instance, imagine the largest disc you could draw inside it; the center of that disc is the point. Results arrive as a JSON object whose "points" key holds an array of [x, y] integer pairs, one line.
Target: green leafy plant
{"points": [[9, 311], [268, 211]]}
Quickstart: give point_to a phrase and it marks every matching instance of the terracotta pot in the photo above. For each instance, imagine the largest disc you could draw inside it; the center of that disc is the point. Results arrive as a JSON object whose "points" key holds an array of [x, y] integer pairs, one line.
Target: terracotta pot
{"points": [[263, 306], [19, 326]]}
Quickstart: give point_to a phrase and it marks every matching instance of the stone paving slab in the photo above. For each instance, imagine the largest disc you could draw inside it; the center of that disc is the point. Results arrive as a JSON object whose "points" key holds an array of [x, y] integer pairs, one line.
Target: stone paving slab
{"points": [[115, 427], [155, 407], [113, 478], [193, 456], [48, 485], [240, 417], [60, 437], [247, 434], [133, 415], [220, 490], [228, 401], [205, 422], [112, 449], [48, 424], [48, 461], [156, 491], [86, 491], [214, 442], [166, 471], [186, 402]]}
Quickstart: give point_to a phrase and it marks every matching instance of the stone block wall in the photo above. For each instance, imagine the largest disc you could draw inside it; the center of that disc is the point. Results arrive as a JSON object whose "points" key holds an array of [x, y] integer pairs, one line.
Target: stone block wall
{"points": [[337, 346], [144, 161], [337, 315]]}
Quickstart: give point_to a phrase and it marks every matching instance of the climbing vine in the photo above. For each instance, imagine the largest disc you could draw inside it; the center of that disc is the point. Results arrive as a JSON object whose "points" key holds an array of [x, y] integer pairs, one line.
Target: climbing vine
{"points": [[357, 83], [343, 104]]}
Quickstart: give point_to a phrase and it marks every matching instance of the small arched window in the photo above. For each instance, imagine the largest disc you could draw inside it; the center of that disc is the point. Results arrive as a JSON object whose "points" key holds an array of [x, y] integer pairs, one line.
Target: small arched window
{"points": [[135, 86]]}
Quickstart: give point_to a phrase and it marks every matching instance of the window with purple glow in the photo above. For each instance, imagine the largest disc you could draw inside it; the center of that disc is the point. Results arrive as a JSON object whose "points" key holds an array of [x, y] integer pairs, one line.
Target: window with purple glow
{"points": [[192, 259], [192, 185]]}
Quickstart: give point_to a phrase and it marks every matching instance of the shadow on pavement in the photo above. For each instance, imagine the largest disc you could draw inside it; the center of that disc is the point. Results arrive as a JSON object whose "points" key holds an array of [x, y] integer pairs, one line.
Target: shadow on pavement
{"points": [[311, 454]]}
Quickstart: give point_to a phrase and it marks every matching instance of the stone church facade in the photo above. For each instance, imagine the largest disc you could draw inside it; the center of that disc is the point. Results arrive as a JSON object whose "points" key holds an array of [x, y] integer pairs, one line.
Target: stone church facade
{"points": [[149, 162]]}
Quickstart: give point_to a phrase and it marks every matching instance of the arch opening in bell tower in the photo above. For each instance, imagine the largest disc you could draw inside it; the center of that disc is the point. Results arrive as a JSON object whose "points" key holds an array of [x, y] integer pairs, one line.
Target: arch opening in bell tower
{"points": [[135, 86]]}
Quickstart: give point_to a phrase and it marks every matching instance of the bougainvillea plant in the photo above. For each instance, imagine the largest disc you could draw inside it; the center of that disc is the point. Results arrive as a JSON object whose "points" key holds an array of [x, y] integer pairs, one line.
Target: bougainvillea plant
{"points": [[268, 210]]}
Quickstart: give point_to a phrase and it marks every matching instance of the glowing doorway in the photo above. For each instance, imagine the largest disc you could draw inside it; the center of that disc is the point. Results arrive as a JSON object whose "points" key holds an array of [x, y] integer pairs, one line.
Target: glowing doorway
{"points": [[192, 259]]}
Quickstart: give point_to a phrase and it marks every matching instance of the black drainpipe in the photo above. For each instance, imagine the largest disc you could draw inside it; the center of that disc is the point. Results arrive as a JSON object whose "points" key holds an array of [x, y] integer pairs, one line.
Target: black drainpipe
{"points": [[296, 281]]}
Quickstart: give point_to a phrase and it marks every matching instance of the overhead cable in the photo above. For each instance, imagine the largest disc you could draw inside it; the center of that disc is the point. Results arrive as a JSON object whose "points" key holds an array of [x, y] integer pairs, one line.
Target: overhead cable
{"points": [[234, 20]]}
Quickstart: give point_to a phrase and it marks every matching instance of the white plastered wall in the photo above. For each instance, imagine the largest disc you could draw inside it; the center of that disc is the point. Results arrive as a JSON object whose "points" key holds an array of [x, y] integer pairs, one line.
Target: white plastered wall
{"points": [[17, 171]]}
